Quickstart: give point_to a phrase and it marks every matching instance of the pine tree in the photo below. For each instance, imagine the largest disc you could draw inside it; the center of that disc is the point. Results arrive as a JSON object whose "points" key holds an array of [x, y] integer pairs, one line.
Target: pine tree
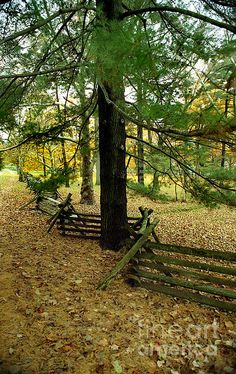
{"points": [[121, 46]]}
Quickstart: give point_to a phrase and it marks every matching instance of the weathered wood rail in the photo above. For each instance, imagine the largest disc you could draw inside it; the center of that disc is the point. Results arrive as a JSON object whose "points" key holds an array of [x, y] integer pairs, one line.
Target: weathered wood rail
{"points": [[69, 221], [82, 225], [144, 233], [189, 279], [195, 274], [47, 202]]}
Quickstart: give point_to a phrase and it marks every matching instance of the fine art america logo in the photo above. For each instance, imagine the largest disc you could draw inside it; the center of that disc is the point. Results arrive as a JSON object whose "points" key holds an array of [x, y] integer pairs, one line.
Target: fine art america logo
{"points": [[163, 340]]}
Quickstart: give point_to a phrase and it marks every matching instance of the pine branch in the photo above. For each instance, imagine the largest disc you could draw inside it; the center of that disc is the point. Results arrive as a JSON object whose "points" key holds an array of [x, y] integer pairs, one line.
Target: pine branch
{"points": [[47, 53], [43, 22], [183, 165], [53, 133], [231, 126], [26, 74], [153, 167], [186, 12]]}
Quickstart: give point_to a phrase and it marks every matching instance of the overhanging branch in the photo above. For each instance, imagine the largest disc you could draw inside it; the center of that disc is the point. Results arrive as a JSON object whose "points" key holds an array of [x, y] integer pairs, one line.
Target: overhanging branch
{"points": [[26, 74], [186, 12], [183, 165], [231, 126], [43, 22]]}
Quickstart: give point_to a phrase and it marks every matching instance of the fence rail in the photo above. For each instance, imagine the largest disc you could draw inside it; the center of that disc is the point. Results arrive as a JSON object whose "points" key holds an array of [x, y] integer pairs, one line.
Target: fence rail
{"points": [[201, 276], [159, 269]]}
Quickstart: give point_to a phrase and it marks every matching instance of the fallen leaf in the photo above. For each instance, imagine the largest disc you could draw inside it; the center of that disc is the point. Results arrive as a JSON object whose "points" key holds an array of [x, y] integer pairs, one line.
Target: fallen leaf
{"points": [[117, 367], [52, 301], [103, 342], [59, 344], [26, 275], [11, 351], [88, 338], [28, 312], [114, 347], [159, 363], [67, 348], [51, 338], [229, 325]]}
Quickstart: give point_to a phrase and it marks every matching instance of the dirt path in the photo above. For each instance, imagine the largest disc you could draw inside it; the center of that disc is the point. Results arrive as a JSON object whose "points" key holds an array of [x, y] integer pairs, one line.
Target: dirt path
{"points": [[53, 320]]}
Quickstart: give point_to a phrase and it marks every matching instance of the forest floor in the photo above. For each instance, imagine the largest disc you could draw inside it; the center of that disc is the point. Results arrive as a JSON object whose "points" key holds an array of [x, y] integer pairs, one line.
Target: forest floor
{"points": [[53, 320]]}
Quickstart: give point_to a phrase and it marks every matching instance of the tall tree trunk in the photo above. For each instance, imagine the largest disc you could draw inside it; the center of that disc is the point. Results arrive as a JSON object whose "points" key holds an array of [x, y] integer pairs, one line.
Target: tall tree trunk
{"points": [[223, 148], [140, 156], [63, 150], [86, 192], [98, 170], [112, 172], [223, 145], [1, 162], [97, 152], [65, 164], [44, 163], [197, 160], [51, 157], [155, 184], [223, 152], [20, 166], [150, 136], [140, 164], [112, 148]]}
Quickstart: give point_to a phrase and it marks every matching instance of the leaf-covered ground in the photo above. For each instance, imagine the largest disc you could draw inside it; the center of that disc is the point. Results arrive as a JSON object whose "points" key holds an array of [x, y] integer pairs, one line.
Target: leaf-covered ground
{"points": [[53, 320]]}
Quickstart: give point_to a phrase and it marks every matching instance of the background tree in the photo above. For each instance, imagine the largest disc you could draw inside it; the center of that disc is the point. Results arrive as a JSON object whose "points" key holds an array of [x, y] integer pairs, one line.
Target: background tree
{"points": [[86, 191]]}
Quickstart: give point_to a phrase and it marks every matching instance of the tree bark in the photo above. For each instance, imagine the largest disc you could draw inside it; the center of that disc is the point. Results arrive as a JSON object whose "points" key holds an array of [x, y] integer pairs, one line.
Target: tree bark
{"points": [[63, 150], [44, 163], [223, 149], [112, 148], [112, 172], [140, 156], [140, 164], [86, 192], [223, 154], [65, 164], [155, 183], [98, 169], [20, 166], [97, 153]]}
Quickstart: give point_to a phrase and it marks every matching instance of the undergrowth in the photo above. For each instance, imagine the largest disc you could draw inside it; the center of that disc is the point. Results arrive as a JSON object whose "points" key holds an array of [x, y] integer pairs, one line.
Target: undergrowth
{"points": [[147, 190]]}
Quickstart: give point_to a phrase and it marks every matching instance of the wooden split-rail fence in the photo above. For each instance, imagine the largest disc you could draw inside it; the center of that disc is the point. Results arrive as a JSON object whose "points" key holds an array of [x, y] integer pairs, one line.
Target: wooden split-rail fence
{"points": [[68, 220], [45, 201], [72, 223], [204, 276], [200, 275], [195, 274]]}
